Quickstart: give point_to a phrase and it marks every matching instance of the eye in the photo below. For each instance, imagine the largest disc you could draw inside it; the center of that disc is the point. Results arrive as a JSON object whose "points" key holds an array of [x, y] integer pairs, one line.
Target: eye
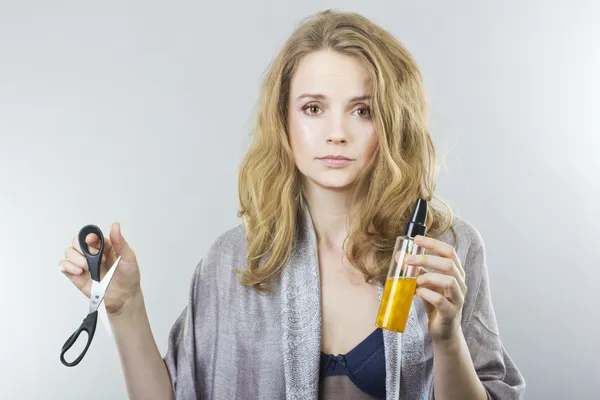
{"points": [[365, 112], [311, 108]]}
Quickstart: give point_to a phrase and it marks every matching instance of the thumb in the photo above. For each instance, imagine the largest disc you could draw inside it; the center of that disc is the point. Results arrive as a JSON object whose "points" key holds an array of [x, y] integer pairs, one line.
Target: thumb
{"points": [[120, 244]]}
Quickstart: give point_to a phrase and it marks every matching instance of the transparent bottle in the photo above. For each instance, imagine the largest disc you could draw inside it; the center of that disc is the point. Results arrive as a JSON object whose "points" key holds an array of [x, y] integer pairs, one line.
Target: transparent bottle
{"points": [[401, 280]]}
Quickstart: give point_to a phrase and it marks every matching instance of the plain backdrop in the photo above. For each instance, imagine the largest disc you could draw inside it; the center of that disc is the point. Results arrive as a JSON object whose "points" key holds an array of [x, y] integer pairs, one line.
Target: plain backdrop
{"points": [[140, 111]]}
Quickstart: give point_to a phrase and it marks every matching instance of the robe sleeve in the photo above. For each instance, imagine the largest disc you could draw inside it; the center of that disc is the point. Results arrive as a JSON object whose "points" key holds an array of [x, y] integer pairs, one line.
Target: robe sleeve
{"points": [[180, 358], [494, 366]]}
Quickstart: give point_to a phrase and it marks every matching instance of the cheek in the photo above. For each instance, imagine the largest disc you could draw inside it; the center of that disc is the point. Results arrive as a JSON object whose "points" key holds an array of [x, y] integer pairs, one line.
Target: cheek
{"points": [[369, 145], [303, 139]]}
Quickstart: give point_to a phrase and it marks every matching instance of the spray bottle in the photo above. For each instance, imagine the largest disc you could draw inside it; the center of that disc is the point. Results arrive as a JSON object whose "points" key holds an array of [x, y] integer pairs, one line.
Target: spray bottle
{"points": [[401, 280]]}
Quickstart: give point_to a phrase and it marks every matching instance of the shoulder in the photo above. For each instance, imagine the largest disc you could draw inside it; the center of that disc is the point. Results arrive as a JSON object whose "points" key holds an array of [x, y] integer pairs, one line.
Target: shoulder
{"points": [[469, 246], [466, 237], [214, 276], [225, 254], [230, 244]]}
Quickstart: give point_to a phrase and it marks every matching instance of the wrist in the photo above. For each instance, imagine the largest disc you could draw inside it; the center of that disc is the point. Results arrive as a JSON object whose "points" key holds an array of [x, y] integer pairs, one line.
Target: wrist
{"points": [[452, 344], [134, 305]]}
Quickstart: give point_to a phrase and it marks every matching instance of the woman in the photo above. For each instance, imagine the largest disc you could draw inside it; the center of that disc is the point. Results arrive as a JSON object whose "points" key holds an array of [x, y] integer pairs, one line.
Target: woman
{"points": [[284, 305]]}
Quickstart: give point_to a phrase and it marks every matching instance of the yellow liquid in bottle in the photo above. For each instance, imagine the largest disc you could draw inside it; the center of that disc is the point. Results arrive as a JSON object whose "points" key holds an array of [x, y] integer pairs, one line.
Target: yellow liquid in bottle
{"points": [[395, 303]]}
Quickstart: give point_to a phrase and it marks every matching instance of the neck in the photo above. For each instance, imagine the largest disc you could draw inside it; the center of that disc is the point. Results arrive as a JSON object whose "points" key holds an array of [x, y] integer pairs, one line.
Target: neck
{"points": [[329, 213]]}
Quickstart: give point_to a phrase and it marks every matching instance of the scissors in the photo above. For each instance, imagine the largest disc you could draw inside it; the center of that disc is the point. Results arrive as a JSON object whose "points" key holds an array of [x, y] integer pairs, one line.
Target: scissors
{"points": [[97, 293]]}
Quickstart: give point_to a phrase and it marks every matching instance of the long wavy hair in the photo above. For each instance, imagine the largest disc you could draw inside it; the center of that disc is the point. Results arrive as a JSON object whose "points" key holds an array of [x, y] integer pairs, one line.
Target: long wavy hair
{"points": [[402, 169]]}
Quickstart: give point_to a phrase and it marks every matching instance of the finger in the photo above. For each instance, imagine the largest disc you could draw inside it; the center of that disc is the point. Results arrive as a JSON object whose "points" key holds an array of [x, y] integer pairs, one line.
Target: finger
{"points": [[108, 246], [79, 259], [441, 304], [69, 268], [91, 246], [439, 248], [120, 245], [435, 246], [93, 242], [446, 285], [441, 264], [81, 280], [76, 258]]}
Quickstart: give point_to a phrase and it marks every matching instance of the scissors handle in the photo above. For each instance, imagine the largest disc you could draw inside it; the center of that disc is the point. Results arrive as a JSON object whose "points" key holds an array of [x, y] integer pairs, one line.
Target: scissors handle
{"points": [[88, 325], [93, 260]]}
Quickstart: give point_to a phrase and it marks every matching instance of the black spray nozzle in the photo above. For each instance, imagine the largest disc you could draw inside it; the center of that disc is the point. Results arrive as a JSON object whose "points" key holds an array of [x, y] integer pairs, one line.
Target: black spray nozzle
{"points": [[416, 225]]}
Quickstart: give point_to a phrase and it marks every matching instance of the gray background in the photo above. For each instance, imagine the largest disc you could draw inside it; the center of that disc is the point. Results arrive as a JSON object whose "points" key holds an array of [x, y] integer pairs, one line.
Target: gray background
{"points": [[139, 112]]}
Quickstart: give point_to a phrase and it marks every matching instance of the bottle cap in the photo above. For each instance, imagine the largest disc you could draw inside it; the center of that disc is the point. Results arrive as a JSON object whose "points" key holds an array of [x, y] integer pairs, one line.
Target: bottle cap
{"points": [[416, 225]]}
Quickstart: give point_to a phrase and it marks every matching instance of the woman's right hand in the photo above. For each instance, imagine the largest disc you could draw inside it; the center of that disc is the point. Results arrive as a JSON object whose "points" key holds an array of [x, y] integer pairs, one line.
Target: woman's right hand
{"points": [[125, 284]]}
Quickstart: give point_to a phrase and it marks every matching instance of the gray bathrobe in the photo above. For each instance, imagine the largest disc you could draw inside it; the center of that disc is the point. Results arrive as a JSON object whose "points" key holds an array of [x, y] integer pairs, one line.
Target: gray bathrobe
{"points": [[233, 343]]}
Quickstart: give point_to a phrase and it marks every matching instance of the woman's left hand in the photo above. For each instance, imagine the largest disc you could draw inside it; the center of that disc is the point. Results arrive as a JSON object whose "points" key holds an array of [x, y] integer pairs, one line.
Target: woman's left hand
{"points": [[443, 291]]}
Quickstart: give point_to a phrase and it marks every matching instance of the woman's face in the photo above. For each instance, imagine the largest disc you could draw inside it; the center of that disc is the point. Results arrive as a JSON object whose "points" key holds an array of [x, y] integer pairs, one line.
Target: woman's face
{"points": [[329, 116]]}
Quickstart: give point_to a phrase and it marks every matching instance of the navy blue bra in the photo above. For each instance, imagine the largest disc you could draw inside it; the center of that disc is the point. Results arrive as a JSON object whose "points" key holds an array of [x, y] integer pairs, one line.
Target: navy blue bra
{"points": [[364, 365]]}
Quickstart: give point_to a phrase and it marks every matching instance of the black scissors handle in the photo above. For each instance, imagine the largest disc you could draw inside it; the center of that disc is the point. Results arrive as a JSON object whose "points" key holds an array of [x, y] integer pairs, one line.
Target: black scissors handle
{"points": [[89, 323], [89, 326], [93, 260]]}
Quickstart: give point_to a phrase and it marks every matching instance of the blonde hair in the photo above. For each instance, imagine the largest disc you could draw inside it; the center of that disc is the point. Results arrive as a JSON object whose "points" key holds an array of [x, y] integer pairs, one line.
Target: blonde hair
{"points": [[402, 169]]}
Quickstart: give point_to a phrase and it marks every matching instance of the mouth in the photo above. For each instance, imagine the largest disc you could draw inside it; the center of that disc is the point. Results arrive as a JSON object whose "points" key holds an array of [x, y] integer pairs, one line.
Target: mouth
{"points": [[335, 161], [335, 157]]}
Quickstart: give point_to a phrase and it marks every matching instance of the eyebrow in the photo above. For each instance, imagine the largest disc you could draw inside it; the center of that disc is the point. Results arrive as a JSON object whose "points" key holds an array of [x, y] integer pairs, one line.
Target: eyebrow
{"points": [[320, 96]]}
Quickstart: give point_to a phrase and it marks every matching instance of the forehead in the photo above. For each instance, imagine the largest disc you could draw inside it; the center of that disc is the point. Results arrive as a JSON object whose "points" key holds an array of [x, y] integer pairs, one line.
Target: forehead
{"points": [[332, 74]]}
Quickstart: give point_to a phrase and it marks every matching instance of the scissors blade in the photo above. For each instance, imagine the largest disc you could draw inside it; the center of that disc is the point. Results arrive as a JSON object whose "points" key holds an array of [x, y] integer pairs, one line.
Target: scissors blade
{"points": [[99, 288]]}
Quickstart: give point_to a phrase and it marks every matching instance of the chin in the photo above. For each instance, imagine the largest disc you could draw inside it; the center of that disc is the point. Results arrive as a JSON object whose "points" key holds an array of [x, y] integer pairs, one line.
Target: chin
{"points": [[332, 182]]}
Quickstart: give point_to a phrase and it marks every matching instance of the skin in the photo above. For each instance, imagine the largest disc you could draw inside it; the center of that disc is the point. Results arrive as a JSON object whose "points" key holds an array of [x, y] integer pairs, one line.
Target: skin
{"points": [[332, 124], [334, 119], [329, 114], [335, 122], [145, 374]]}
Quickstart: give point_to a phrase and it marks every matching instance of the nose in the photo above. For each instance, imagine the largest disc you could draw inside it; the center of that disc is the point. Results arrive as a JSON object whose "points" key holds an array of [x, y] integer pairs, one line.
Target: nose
{"points": [[336, 139], [336, 130]]}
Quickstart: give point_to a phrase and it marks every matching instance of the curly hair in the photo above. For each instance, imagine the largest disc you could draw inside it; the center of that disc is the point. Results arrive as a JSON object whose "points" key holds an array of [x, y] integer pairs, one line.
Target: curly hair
{"points": [[402, 169]]}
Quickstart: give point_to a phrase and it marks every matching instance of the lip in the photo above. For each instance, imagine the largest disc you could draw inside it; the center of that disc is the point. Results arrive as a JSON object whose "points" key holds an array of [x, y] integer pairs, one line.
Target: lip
{"points": [[335, 161], [339, 157]]}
